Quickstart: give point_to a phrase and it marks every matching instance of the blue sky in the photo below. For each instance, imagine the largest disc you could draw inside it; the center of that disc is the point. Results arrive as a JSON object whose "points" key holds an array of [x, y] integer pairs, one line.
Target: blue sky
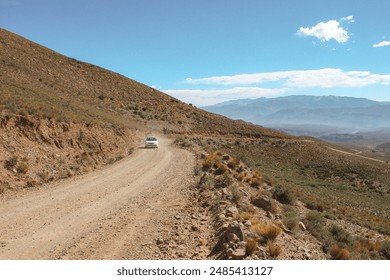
{"points": [[210, 51]]}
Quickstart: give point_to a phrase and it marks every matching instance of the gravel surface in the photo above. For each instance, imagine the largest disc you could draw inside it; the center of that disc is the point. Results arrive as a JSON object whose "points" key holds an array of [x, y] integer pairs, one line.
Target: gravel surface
{"points": [[119, 212]]}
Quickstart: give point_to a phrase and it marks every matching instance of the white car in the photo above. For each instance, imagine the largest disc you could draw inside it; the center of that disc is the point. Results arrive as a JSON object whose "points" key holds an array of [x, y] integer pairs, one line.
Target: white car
{"points": [[151, 142]]}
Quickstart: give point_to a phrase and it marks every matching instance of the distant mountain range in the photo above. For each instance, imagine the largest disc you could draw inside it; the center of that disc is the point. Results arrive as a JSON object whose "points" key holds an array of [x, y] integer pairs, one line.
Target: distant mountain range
{"points": [[302, 114]]}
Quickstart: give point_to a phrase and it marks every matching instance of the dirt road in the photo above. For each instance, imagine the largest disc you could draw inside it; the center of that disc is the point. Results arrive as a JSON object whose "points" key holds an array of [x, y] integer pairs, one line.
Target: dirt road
{"points": [[113, 213], [357, 154]]}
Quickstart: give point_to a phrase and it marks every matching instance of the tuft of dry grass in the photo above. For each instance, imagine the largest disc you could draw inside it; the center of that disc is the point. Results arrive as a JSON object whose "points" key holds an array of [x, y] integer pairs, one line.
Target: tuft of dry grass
{"points": [[22, 168], [385, 249], [273, 249], [257, 175], [211, 160], [244, 216], [233, 163], [338, 253], [251, 246], [290, 217], [236, 194], [255, 182], [221, 168], [284, 195], [10, 163], [267, 231], [364, 245], [240, 176], [274, 207]]}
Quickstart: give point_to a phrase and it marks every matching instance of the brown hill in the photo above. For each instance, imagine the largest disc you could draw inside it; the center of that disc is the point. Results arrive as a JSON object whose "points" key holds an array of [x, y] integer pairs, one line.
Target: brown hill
{"points": [[38, 81], [61, 117], [80, 114]]}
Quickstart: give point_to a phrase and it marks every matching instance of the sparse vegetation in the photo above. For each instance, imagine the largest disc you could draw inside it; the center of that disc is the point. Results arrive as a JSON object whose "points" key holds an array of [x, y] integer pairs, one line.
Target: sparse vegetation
{"points": [[221, 169], [236, 194], [10, 163], [267, 231], [223, 181], [233, 163], [211, 160], [273, 249], [385, 249], [341, 236], [251, 246], [245, 216], [290, 217], [284, 195], [339, 253], [22, 168]]}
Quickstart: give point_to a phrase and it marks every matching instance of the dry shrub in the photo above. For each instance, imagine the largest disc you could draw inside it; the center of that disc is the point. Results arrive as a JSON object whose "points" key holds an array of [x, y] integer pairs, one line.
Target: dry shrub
{"points": [[236, 194], [254, 222], [338, 253], [233, 163], [273, 249], [212, 160], [364, 245], [247, 207], [22, 168], [267, 231], [257, 175], [244, 216], [385, 249], [240, 176], [223, 181], [290, 217], [221, 168], [274, 207], [341, 235], [10, 163], [251, 246], [255, 182], [208, 183], [284, 195]]}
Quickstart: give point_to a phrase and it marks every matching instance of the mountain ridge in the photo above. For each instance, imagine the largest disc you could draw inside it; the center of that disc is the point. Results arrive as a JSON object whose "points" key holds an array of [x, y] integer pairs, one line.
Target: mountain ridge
{"points": [[343, 112]]}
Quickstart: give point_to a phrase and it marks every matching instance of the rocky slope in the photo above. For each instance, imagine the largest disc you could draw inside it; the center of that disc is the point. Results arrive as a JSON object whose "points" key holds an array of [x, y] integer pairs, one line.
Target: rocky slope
{"points": [[37, 151]]}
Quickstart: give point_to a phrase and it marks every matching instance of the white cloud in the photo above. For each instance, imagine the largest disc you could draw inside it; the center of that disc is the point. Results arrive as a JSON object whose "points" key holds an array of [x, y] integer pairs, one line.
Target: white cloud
{"points": [[214, 96], [242, 79], [381, 44], [322, 78], [348, 19], [326, 31]]}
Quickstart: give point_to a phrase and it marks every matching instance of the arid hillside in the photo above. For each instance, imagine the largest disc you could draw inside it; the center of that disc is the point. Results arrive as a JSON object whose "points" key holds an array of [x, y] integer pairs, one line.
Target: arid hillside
{"points": [[261, 193], [61, 117]]}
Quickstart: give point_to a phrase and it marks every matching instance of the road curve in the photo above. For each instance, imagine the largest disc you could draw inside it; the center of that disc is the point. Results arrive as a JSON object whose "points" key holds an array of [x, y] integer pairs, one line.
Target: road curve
{"points": [[96, 216]]}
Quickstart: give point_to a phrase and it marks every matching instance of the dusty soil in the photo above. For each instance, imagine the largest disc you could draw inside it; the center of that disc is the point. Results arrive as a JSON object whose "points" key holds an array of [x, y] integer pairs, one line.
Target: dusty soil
{"points": [[43, 151], [138, 208]]}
